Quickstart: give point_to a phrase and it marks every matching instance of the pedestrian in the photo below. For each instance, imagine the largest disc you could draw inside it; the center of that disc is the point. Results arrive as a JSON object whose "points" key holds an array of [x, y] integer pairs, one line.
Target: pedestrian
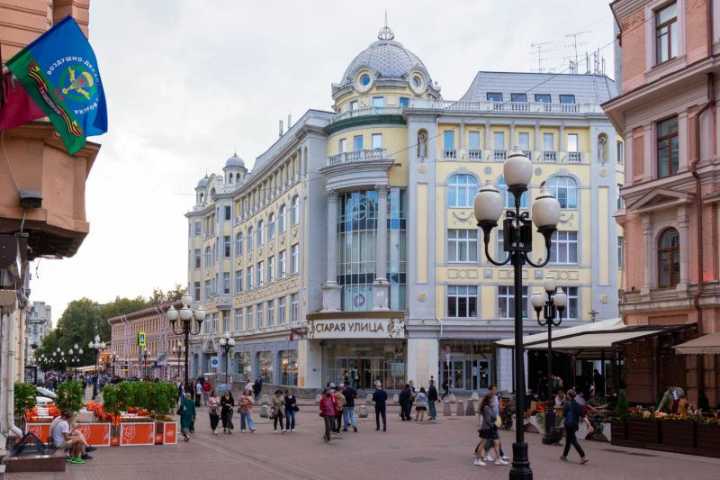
{"points": [[349, 411], [290, 408], [380, 400], [257, 388], [432, 398], [405, 403], [421, 402], [488, 431], [206, 390], [339, 407], [446, 389], [198, 393], [572, 414], [187, 416], [227, 402], [495, 404], [277, 407], [245, 409], [214, 411], [327, 412]]}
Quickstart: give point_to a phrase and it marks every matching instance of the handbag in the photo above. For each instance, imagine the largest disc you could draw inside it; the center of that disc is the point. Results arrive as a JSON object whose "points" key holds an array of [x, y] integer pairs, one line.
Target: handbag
{"points": [[498, 422]]}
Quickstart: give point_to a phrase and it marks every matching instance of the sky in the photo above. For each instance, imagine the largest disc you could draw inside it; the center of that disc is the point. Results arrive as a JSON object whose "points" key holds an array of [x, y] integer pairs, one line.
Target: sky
{"points": [[188, 83]]}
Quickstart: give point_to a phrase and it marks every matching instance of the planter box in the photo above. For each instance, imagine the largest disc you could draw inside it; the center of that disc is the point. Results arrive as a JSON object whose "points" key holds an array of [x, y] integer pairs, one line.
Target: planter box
{"points": [[40, 429], [644, 433], [678, 434], [618, 431], [166, 433], [137, 433], [708, 440], [97, 434]]}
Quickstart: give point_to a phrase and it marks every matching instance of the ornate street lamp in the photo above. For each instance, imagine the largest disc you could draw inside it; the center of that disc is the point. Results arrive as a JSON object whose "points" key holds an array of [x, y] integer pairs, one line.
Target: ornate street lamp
{"points": [[186, 316], [97, 345], [145, 355], [226, 343], [517, 241], [551, 303], [177, 350]]}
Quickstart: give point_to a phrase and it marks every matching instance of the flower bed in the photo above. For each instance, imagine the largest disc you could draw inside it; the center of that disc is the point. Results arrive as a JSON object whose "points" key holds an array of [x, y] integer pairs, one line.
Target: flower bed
{"points": [[696, 436]]}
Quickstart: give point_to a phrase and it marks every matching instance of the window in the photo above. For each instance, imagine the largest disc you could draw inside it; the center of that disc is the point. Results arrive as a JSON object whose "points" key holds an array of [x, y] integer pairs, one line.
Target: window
{"points": [[462, 301], [620, 203], [281, 219], [518, 97], [260, 233], [238, 319], [353, 105], [572, 142], [549, 147], [377, 141], [449, 143], [564, 188], [238, 244], [270, 313], [499, 140], [572, 309], [506, 302], [462, 245], [509, 197], [295, 211], [378, 102], [494, 97], [259, 315], [249, 278], [270, 268], [668, 151], [669, 258], [404, 102], [198, 259], [271, 227], [342, 145], [543, 98], [461, 190], [225, 321], [281, 264], [198, 229], [295, 258], [568, 103], [226, 283], [365, 79], [474, 152], [248, 318], [620, 153], [281, 310], [666, 33], [208, 257], [196, 291], [620, 251], [208, 290], [238, 281], [357, 143], [524, 141], [250, 241], [228, 212], [259, 274], [564, 248], [500, 254], [294, 308], [227, 246]]}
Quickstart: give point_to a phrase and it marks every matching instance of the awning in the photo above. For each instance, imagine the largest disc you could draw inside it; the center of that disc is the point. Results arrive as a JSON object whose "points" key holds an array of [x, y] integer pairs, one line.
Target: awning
{"points": [[592, 341], [706, 345], [558, 333]]}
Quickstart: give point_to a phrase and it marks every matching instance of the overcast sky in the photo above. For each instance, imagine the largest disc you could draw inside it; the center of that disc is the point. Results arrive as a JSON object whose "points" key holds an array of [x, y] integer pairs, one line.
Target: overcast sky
{"points": [[188, 82]]}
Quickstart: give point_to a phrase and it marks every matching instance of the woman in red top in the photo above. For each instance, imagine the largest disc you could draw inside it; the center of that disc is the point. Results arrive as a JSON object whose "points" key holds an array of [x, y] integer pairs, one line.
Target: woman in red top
{"points": [[327, 411]]}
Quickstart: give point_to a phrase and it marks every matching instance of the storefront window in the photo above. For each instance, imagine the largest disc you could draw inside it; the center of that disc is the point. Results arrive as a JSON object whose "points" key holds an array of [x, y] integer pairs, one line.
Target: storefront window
{"points": [[265, 366], [244, 365], [362, 363], [467, 365], [288, 367], [397, 248]]}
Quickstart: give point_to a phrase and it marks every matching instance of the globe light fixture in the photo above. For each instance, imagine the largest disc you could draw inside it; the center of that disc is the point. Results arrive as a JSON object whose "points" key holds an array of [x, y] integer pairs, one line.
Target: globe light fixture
{"points": [[186, 327]]}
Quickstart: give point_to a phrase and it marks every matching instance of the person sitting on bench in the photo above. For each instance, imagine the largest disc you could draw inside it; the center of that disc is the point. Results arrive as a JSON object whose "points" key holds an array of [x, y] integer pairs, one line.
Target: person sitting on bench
{"points": [[65, 438]]}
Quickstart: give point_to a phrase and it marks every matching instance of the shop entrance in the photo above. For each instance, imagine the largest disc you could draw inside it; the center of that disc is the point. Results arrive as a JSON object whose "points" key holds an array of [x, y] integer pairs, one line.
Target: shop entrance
{"points": [[467, 374], [358, 371], [362, 363]]}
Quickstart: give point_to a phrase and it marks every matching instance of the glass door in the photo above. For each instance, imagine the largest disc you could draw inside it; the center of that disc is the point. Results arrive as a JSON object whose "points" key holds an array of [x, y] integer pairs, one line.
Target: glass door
{"points": [[457, 377]]}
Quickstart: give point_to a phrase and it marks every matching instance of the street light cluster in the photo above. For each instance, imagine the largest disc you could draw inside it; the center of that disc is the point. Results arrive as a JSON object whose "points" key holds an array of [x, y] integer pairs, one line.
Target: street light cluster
{"points": [[186, 314]]}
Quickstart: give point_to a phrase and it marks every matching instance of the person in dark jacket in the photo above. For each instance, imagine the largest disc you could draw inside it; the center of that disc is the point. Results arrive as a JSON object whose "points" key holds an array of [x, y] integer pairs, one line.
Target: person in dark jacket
{"points": [[257, 388], [380, 399], [327, 411], [349, 411], [405, 400], [227, 402], [432, 398], [572, 414], [290, 409]]}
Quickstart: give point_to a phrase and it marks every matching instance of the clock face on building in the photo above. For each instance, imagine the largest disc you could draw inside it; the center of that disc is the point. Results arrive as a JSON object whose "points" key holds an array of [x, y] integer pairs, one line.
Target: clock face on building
{"points": [[362, 209], [358, 300]]}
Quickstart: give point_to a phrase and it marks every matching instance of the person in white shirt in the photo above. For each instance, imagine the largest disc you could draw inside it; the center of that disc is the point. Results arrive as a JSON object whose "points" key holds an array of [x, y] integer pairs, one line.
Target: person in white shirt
{"points": [[63, 437]]}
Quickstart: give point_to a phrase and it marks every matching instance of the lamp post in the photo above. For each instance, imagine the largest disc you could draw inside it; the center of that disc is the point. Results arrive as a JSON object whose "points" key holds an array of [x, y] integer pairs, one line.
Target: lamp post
{"points": [[226, 343], [186, 316], [550, 303], [517, 241], [96, 345], [177, 350]]}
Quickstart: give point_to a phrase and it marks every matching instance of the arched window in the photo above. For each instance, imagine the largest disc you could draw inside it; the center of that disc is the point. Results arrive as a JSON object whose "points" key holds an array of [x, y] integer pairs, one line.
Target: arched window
{"points": [[508, 196], [295, 210], [239, 244], [250, 240], [281, 219], [422, 143], [669, 258], [461, 190], [259, 233], [565, 190]]}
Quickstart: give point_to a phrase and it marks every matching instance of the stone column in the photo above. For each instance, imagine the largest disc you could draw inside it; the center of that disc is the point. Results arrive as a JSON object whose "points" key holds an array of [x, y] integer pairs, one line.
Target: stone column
{"points": [[682, 225], [380, 287], [649, 253], [331, 290]]}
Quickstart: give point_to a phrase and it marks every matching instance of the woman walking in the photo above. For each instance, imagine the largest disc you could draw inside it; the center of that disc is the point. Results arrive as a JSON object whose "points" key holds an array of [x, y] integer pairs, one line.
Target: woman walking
{"points": [[290, 409], [214, 411], [488, 432], [327, 411], [278, 406], [227, 403], [246, 403], [572, 413], [187, 415], [421, 402]]}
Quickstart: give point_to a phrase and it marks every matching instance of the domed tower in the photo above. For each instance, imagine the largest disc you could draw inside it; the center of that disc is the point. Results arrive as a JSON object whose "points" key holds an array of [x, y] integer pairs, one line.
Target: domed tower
{"points": [[234, 170], [201, 191]]}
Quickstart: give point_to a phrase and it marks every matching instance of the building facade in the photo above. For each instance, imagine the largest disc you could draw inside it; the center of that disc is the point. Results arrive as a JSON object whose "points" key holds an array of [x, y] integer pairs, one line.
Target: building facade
{"points": [[38, 323], [667, 113], [350, 251]]}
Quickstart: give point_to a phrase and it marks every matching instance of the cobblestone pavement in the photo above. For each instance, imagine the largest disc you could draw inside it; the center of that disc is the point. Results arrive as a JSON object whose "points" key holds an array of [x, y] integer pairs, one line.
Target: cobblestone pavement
{"points": [[407, 451]]}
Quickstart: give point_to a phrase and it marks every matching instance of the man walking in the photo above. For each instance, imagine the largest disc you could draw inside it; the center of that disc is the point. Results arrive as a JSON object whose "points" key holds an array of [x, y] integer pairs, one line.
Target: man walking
{"points": [[349, 412], [573, 413], [432, 398], [327, 411], [380, 399], [339, 406]]}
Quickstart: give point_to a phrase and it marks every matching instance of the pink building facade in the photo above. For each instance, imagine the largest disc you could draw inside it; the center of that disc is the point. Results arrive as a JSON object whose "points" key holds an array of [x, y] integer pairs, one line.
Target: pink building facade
{"points": [[668, 71]]}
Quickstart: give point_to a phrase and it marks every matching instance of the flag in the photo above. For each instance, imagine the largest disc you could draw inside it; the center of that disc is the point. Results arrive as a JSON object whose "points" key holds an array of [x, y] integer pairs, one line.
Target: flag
{"points": [[16, 106], [59, 71]]}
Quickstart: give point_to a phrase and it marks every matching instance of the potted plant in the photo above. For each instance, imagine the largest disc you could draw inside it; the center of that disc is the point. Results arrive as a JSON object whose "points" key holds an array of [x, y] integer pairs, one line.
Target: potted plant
{"points": [[162, 402], [25, 400], [70, 396], [618, 424]]}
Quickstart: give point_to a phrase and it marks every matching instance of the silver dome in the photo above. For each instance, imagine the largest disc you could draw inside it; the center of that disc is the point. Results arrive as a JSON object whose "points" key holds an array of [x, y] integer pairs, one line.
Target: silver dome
{"points": [[203, 183], [234, 161]]}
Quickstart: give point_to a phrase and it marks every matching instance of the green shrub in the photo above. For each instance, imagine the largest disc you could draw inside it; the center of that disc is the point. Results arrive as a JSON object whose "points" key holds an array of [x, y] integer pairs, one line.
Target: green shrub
{"points": [[111, 399], [621, 408], [25, 398], [70, 396]]}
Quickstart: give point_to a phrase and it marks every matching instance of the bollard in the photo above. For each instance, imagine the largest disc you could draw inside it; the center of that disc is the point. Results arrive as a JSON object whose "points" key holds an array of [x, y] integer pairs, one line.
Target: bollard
{"points": [[470, 410], [317, 398], [460, 408], [452, 398], [264, 411], [368, 398], [363, 411], [447, 412], [396, 398]]}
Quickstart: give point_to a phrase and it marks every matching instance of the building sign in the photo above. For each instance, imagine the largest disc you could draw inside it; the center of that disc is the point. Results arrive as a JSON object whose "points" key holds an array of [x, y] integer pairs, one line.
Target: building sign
{"points": [[141, 340], [357, 328]]}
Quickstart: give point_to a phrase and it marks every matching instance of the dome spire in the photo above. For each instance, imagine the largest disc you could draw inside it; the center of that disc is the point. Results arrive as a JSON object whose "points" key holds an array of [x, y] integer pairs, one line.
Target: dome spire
{"points": [[385, 33]]}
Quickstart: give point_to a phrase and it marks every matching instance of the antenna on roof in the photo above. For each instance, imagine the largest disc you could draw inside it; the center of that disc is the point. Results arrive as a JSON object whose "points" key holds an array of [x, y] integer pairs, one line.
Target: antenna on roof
{"points": [[575, 44], [385, 33], [539, 46]]}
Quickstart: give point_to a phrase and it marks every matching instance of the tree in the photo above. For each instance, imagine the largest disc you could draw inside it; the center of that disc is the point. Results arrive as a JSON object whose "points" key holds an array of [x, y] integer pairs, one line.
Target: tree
{"points": [[174, 295]]}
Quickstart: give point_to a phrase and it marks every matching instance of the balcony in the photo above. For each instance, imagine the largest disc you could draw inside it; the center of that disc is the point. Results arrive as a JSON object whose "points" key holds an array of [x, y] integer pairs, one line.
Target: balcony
{"points": [[357, 156], [508, 107], [362, 116], [574, 157], [474, 154], [549, 156], [500, 155], [450, 154]]}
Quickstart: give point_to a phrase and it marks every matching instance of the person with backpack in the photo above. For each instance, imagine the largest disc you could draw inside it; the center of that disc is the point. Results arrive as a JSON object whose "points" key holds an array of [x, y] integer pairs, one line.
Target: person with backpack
{"points": [[349, 411], [432, 396], [327, 412], [380, 400], [339, 407], [572, 414]]}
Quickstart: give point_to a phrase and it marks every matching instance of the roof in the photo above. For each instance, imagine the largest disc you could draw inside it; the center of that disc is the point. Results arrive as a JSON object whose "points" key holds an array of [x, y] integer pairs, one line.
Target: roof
{"points": [[587, 88], [603, 325], [589, 341], [234, 161], [706, 345]]}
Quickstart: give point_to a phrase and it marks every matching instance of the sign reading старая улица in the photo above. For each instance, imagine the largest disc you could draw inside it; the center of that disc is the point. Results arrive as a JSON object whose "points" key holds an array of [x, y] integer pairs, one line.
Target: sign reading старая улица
{"points": [[357, 328]]}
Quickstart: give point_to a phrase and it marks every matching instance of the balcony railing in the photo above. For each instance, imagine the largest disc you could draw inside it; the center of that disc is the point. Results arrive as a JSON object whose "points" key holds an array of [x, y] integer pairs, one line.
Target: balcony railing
{"points": [[549, 156], [450, 154], [574, 157], [500, 155], [474, 154], [364, 111], [358, 156], [514, 107]]}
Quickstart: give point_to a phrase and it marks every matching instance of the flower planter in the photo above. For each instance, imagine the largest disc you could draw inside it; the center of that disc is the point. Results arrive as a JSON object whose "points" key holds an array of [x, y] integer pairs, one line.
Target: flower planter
{"points": [[643, 432], [708, 439], [97, 434], [137, 433], [678, 434], [165, 433], [40, 429]]}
